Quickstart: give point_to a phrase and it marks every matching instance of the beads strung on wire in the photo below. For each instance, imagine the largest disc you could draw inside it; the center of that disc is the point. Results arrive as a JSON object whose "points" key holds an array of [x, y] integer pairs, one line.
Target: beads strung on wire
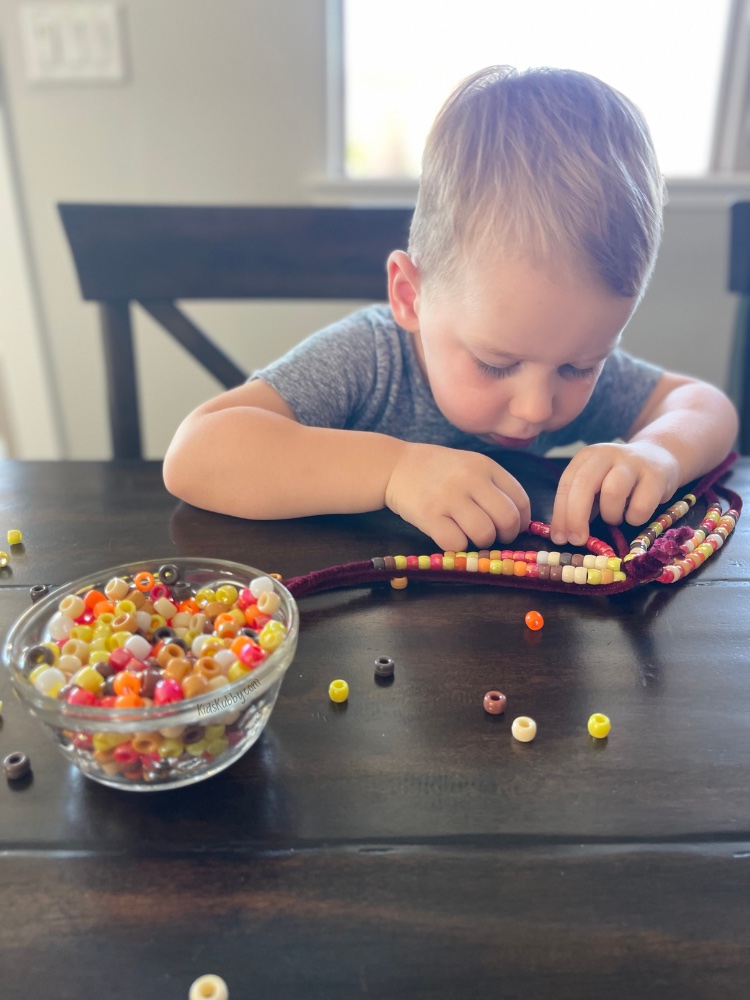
{"points": [[707, 538], [562, 567]]}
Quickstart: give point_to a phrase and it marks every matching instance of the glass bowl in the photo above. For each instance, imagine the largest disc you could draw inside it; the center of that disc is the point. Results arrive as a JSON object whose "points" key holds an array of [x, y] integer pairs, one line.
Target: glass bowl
{"points": [[176, 743]]}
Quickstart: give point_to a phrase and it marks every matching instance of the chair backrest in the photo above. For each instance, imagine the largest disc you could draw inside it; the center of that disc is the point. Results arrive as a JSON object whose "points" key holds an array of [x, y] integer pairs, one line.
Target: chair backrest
{"points": [[739, 281], [157, 254]]}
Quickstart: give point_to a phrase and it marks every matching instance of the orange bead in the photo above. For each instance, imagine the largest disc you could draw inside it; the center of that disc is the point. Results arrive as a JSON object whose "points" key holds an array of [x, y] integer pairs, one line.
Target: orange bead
{"points": [[483, 565], [178, 668], [93, 598], [127, 682], [189, 605], [519, 568], [239, 643], [460, 562], [144, 581], [534, 620], [194, 685], [104, 607], [129, 700]]}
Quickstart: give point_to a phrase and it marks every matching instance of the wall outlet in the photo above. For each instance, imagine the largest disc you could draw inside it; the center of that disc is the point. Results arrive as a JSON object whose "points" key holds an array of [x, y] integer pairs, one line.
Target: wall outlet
{"points": [[65, 42]]}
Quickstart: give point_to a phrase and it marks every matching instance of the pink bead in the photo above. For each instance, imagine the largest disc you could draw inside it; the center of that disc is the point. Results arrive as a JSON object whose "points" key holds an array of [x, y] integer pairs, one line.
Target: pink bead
{"points": [[530, 556], [532, 570], [506, 554], [159, 590], [436, 561], [245, 599], [518, 556], [412, 562], [166, 691]]}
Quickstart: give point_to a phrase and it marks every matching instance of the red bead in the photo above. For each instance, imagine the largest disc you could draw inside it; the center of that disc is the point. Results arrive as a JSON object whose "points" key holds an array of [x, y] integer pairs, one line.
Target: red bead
{"points": [[494, 702], [412, 562], [532, 570], [519, 556], [80, 696], [436, 561], [530, 556], [506, 554], [245, 599], [534, 620], [125, 754], [159, 590], [119, 658]]}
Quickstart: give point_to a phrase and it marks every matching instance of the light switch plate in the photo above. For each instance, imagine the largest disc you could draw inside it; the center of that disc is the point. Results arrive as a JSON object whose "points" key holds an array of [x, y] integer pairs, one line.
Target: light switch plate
{"points": [[79, 42]]}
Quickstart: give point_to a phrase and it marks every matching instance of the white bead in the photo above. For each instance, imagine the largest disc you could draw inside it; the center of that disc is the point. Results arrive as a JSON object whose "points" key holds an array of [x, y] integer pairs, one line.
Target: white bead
{"points": [[209, 987], [139, 646], [524, 729], [601, 562], [198, 642], [69, 663], [143, 619], [164, 607], [49, 679], [541, 557], [259, 585], [580, 574], [117, 589], [554, 559], [472, 564], [568, 573], [225, 658], [72, 606], [60, 626], [589, 561]]}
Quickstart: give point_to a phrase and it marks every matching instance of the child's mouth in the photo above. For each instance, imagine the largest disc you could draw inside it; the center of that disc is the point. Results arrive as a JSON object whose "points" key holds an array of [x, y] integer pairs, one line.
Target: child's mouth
{"points": [[507, 442]]}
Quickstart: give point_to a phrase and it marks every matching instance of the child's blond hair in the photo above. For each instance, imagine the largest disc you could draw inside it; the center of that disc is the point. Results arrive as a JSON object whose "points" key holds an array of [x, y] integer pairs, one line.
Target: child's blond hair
{"points": [[546, 165]]}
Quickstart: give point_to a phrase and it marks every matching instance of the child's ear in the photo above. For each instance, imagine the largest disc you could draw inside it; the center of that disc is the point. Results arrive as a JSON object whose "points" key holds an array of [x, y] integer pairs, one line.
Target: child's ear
{"points": [[403, 290]]}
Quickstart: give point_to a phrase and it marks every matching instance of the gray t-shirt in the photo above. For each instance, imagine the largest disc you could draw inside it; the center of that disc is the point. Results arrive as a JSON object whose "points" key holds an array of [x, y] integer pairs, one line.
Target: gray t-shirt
{"points": [[363, 373]]}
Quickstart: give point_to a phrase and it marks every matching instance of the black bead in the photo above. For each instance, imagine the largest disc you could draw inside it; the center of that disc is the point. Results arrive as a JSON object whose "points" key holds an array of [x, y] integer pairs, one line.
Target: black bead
{"points": [[16, 765]]}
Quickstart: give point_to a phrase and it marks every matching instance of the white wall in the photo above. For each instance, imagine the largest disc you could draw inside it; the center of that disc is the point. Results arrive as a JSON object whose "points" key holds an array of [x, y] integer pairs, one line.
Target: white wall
{"points": [[225, 103]]}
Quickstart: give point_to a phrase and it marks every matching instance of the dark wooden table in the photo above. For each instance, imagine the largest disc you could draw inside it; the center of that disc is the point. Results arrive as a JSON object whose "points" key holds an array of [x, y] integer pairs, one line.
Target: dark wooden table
{"points": [[405, 846]]}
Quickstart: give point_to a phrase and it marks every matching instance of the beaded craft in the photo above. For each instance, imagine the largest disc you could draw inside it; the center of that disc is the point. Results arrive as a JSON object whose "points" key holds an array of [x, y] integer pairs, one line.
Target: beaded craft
{"points": [[660, 553]]}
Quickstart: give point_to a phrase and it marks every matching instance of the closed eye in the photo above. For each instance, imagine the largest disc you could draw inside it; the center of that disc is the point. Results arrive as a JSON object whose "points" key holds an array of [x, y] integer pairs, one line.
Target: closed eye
{"points": [[493, 372], [570, 371]]}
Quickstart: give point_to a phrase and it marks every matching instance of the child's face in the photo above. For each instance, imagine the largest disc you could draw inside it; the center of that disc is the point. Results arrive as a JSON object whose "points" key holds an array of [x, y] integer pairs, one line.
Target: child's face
{"points": [[515, 351]]}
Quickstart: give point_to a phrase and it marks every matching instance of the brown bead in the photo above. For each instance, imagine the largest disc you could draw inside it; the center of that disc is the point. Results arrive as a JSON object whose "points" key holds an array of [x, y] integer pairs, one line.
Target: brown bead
{"points": [[214, 608], [276, 576], [494, 702], [390, 562], [149, 679], [124, 623], [576, 559], [178, 669], [193, 685], [17, 765], [207, 667], [193, 734], [544, 569], [137, 597], [555, 573], [169, 652]]}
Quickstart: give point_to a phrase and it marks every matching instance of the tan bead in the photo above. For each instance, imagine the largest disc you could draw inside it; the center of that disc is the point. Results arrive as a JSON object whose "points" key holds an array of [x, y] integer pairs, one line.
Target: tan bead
{"points": [[178, 668], [168, 652], [523, 729]]}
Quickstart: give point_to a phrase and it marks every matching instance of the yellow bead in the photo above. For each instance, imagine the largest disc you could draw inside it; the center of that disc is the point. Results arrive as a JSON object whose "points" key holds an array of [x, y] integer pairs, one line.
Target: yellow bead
{"points": [[83, 632], [125, 607], [237, 671], [400, 562], [4, 559], [400, 582], [594, 576], [496, 566], [599, 725], [108, 741], [205, 596], [157, 621], [14, 537], [98, 656], [118, 639], [170, 748], [619, 577], [449, 560], [227, 594], [216, 747], [271, 638], [37, 671], [423, 562], [88, 678], [197, 749], [523, 729], [54, 647], [338, 691], [212, 733]]}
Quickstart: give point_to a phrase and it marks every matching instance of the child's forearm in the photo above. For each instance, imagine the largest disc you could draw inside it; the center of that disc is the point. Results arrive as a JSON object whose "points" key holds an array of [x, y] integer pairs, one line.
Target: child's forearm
{"points": [[696, 424], [254, 463]]}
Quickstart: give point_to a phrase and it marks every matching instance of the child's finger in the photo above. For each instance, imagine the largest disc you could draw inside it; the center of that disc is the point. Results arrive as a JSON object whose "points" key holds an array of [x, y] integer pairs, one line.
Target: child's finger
{"points": [[613, 496], [644, 500], [509, 487], [573, 503]]}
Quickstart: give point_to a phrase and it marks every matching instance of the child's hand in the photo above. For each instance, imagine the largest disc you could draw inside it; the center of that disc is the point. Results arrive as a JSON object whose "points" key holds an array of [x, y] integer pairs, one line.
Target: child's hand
{"points": [[457, 496], [631, 480]]}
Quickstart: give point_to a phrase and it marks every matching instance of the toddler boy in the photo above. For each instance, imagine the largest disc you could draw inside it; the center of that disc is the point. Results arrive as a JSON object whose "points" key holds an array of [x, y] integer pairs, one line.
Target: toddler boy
{"points": [[535, 233]]}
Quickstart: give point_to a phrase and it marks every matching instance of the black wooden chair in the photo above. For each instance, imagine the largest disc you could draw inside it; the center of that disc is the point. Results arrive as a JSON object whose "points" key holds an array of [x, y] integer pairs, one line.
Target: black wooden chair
{"points": [[155, 255], [739, 281]]}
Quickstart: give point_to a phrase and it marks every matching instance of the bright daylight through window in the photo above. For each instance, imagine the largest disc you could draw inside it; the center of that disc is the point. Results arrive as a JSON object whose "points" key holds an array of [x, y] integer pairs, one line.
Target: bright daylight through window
{"points": [[401, 58]]}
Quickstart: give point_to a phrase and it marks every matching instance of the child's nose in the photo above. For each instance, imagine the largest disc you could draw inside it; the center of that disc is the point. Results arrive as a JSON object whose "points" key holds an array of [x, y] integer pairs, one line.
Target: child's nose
{"points": [[532, 403]]}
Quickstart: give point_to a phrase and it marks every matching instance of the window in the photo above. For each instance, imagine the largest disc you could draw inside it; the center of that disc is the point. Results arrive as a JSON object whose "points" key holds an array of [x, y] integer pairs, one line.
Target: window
{"points": [[399, 59]]}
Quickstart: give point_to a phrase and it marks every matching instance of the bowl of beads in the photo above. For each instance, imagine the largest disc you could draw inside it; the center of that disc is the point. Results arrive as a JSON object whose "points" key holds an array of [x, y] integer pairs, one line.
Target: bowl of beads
{"points": [[155, 674]]}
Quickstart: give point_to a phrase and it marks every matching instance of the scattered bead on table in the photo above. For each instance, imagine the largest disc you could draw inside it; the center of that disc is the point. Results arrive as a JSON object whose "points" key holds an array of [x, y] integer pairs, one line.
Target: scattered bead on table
{"points": [[494, 702], [209, 987], [4, 559], [16, 765], [14, 537], [534, 620], [599, 725], [524, 729], [384, 666], [338, 691], [400, 582]]}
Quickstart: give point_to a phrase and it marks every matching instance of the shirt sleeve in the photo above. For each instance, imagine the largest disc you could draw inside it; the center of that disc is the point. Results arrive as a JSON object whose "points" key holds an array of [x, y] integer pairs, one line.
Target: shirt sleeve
{"points": [[328, 377]]}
